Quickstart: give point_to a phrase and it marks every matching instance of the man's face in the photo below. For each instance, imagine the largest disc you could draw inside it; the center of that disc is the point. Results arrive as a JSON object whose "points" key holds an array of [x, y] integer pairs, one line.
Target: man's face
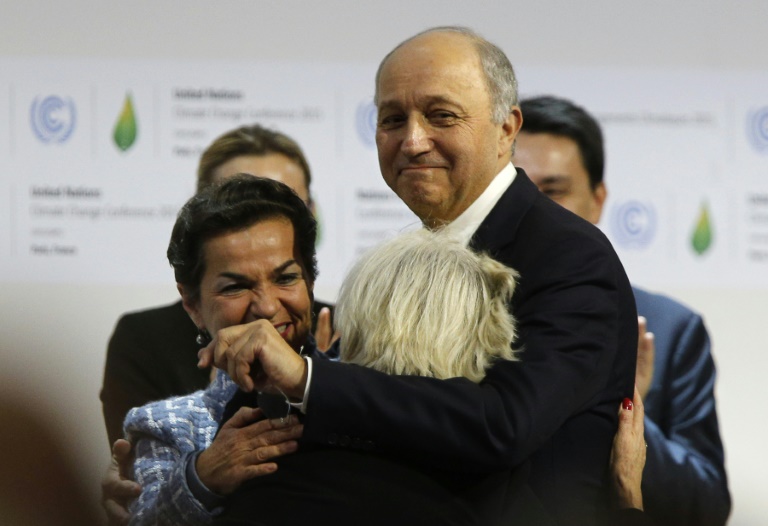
{"points": [[275, 166], [554, 163], [438, 148]]}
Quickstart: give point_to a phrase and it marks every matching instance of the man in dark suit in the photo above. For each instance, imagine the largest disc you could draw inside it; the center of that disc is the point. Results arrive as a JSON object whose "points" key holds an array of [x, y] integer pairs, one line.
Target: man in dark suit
{"points": [[448, 118], [561, 148], [152, 354]]}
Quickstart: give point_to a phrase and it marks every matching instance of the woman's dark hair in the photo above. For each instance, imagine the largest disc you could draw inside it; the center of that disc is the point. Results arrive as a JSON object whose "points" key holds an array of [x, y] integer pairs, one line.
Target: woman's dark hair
{"points": [[249, 140], [236, 204]]}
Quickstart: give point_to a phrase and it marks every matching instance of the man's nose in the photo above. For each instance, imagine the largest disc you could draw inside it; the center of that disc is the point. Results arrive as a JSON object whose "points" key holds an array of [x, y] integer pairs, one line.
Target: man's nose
{"points": [[264, 304], [416, 139]]}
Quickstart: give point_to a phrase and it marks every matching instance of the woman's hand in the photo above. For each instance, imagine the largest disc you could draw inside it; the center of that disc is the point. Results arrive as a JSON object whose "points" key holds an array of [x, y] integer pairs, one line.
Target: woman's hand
{"points": [[117, 488], [646, 353], [324, 335], [256, 357], [628, 453], [243, 447]]}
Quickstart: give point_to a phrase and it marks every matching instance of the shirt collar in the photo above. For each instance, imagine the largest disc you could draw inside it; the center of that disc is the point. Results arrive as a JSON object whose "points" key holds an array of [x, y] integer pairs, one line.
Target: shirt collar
{"points": [[464, 226]]}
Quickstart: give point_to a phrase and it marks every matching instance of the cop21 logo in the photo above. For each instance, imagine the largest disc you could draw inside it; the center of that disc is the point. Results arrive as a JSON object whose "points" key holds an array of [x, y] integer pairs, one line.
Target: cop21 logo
{"points": [[757, 129], [53, 118], [633, 224], [365, 119]]}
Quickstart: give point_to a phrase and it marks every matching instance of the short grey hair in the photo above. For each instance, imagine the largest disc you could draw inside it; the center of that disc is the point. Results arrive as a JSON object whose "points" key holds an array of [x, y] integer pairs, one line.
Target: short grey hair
{"points": [[424, 304], [499, 74]]}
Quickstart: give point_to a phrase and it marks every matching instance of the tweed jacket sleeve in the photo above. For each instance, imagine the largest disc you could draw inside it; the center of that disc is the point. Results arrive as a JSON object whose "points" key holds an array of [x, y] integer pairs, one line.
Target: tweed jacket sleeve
{"points": [[164, 435]]}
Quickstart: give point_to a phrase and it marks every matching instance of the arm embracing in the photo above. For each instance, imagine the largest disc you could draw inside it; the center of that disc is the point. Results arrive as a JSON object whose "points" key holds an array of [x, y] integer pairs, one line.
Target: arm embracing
{"points": [[577, 326], [165, 499]]}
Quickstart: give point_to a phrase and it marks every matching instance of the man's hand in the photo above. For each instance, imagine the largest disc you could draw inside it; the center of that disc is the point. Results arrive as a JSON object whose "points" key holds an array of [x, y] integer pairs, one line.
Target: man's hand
{"points": [[117, 488], [324, 335], [628, 453], [257, 357], [242, 448], [646, 352]]}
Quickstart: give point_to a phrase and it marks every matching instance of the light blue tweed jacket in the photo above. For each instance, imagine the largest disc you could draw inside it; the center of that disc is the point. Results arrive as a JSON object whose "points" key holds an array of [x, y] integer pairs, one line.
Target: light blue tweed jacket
{"points": [[164, 435]]}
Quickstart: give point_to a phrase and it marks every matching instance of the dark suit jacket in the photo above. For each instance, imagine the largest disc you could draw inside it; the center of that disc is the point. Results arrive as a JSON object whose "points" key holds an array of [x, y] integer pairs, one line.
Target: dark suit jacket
{"points": [[152, 355], [684, 482], [555, 412], [351, 487]]}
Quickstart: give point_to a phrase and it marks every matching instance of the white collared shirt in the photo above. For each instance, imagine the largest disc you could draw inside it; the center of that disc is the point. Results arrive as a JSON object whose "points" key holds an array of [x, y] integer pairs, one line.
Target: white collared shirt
{"points": [[465, 226]]}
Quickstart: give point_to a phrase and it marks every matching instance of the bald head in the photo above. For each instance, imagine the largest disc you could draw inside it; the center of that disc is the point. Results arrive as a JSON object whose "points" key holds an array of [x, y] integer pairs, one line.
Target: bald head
{"points": [[499, 75]]}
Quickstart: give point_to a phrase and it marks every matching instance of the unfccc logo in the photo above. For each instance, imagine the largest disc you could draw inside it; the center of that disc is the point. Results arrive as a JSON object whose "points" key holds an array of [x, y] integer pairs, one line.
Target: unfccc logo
{"points": [[53, 118], [757, 129], [366, 123], [633, 224]]}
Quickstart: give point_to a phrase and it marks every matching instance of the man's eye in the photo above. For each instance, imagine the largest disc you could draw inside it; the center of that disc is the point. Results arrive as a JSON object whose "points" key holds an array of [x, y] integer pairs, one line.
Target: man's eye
{"points": [[554, 193], [442, 117], [391, 121]]}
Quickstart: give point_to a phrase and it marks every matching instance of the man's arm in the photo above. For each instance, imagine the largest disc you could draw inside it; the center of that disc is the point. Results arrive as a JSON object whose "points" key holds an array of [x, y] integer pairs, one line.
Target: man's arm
{"points": [[571, 326], [578, 327], [685, 480]]}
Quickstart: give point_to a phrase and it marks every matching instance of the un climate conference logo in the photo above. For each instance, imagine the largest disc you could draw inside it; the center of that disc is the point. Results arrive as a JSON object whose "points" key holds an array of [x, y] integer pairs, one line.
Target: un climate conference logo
{"points": [[53, 118], [757, 129], [365, 119], [633, 224]]}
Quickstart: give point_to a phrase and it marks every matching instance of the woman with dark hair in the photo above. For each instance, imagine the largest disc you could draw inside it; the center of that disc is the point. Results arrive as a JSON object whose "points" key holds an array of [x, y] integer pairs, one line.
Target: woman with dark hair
{"points": [[242, 252]]}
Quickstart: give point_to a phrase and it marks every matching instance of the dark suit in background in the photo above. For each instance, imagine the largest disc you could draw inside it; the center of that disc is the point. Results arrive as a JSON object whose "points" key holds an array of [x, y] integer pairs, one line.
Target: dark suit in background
{"points": [[554, 413], [684, 473], [152, 355]]}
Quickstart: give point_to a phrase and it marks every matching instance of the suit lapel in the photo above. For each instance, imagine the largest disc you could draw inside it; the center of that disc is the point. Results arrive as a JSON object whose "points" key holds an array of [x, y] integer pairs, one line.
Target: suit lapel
{"points": [[500, 226]]}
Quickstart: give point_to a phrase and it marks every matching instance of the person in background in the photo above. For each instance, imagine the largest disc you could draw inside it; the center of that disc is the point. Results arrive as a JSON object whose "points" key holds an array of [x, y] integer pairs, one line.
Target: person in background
{"points": [[560, 146], [152, 354]]}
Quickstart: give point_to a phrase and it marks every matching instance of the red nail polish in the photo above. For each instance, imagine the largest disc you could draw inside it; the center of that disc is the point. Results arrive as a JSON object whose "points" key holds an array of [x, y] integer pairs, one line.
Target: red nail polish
{"points": [[627, 404]]}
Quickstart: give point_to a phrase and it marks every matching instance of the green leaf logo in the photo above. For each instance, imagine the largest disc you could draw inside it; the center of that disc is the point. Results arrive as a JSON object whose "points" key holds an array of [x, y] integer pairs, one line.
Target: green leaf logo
{"points": [[702, 235], [125, 128]]}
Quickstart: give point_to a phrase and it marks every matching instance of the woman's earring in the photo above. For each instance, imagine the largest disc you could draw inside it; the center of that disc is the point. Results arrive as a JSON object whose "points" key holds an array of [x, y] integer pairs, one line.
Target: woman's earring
{"points": [[203, 337]]}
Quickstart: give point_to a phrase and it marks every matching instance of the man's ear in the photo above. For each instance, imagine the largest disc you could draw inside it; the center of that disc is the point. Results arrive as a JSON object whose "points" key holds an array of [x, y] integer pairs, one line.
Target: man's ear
{"points": [[599, 194], [191, 306], [509, 130]]}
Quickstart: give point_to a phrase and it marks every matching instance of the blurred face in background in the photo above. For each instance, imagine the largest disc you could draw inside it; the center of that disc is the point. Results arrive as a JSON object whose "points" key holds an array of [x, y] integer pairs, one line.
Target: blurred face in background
{"points": [[275, 166], [555, 165]]}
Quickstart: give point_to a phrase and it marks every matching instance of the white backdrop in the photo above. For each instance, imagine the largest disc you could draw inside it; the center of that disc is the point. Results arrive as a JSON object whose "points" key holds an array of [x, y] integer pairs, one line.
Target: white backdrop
{"points": [[679, 90]]}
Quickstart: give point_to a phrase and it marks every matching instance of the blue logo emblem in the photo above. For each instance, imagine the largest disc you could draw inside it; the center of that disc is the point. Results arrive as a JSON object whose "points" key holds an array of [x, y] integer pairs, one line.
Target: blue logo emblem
{"points": [[365, 119], [633, 224], [53, 118], [757, 129]]}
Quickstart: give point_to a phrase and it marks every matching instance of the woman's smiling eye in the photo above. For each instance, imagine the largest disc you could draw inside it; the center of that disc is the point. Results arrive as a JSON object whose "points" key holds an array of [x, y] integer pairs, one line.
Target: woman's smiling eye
{"points": [[232, 287], [288, 278]]}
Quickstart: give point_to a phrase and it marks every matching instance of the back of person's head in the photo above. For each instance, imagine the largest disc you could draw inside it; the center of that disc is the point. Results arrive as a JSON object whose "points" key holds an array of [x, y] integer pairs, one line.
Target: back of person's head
{"points": [[236, 204], [424, 304], [561, 117], [248, 140]]}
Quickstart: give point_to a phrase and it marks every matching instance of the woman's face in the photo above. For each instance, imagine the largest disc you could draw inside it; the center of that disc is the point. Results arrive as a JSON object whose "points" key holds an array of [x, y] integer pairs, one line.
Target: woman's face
{"points": [[253, 274]]}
